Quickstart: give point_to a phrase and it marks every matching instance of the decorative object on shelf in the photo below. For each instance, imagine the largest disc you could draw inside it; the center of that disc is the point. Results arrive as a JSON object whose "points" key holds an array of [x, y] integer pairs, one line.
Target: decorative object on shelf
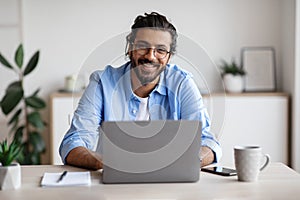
{"points": [[10, 173], [25, 123], [70, 82], [73, 84], [233, 76], [259, 62]]}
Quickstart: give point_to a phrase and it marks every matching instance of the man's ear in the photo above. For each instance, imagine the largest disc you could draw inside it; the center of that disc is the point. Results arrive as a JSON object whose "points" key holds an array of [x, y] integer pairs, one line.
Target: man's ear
{"points": [[129, 53], [129, 50], [169, 58]]}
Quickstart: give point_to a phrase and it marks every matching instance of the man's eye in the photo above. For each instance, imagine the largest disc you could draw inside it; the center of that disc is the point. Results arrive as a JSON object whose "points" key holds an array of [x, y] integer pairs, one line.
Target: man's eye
{"points": [[161, 50]]}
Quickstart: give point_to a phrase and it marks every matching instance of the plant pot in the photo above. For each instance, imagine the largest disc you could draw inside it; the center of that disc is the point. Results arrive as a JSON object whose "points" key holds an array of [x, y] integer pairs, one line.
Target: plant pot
{"points": [[10, 176], [233, 83]]}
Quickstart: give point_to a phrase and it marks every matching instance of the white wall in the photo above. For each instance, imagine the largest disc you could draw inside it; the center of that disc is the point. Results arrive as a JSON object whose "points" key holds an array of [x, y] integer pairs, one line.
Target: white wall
{"points": [[287, 50], [296, 98], [66, 31], [10, 37]]}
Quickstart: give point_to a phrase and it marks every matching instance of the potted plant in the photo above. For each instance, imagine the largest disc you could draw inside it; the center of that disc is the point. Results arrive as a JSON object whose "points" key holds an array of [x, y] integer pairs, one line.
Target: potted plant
{"points": [[10, 172], [233, 76], [25, 121]]}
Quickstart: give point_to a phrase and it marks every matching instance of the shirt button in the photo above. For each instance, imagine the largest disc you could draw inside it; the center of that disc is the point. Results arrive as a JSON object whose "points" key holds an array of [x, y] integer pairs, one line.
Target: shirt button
{"points": [[134, 111]]}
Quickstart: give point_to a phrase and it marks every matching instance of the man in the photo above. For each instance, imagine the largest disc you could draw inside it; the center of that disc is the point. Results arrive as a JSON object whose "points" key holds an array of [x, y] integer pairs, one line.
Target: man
{"points": [[147, 87]]}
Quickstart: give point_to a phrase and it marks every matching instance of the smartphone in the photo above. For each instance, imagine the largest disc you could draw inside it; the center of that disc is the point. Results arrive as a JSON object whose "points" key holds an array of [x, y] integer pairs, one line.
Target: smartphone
{"points": [[223, 171]]}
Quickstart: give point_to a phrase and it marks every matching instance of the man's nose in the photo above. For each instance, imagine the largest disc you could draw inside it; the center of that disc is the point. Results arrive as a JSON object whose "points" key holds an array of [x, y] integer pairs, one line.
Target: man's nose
{"points": [[150, 55]]}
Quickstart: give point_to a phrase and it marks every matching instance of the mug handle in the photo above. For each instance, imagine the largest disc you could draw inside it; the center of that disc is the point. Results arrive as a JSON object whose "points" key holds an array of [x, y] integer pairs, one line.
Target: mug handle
{"points": [[266, 163]]}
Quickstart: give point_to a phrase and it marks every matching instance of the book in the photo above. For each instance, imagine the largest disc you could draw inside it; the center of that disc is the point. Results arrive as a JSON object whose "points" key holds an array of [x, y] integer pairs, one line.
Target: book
{"points": [[69, 179]]}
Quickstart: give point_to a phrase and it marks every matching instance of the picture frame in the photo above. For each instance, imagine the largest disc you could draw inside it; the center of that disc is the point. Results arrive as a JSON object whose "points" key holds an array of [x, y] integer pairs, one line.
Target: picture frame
{"points": [[259, 64]]}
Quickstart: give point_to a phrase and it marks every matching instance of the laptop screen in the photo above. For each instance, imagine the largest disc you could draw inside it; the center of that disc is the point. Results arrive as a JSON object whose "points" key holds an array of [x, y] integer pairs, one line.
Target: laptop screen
{"points": [[150, 151]]}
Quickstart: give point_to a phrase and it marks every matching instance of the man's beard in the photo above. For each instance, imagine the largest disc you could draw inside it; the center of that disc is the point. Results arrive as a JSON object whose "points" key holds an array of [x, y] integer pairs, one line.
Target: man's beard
{"points": [[146, 77]]}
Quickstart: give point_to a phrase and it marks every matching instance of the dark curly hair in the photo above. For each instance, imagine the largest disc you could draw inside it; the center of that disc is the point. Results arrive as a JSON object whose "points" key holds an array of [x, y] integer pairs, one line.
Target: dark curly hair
{"points": [[153, 20]]}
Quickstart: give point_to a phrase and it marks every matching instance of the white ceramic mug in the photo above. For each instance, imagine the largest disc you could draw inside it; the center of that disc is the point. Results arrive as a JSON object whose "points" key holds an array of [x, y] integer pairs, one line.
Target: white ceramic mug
{"points": [[248, 162]]}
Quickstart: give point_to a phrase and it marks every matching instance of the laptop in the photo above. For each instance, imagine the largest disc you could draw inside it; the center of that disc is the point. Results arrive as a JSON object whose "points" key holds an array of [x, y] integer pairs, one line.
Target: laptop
{"points": [[150, 151]]}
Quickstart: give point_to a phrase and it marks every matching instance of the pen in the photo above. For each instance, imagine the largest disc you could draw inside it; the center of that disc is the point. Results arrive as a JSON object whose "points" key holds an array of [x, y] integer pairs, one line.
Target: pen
{"points": [[62, 176]]}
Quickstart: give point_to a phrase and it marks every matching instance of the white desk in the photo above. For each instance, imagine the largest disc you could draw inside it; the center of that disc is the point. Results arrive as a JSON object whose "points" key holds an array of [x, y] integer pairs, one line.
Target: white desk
{"points": [[276, 182]]}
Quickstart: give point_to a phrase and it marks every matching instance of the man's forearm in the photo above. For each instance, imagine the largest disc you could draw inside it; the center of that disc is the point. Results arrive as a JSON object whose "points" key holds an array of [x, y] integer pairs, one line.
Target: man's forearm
{"points": [[82, 157], [207, 156]]}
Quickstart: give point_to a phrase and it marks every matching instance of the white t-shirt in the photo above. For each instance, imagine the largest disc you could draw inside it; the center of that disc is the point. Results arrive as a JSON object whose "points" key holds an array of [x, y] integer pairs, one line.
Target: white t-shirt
{"points": [[143, 112]]}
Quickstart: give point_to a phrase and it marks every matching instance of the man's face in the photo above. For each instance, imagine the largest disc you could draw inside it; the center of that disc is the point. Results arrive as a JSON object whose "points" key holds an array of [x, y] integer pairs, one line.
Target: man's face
{"points": [[146, 52]]}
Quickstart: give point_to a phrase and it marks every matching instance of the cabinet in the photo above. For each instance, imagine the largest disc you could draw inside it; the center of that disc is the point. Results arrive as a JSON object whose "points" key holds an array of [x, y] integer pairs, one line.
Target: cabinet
{"points": [[251, 119], [62, 108], [237, 119]]}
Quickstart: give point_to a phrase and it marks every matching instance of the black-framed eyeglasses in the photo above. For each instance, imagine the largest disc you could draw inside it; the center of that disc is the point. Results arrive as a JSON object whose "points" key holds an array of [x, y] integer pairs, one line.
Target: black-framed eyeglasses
{"points": [[143, 49]]}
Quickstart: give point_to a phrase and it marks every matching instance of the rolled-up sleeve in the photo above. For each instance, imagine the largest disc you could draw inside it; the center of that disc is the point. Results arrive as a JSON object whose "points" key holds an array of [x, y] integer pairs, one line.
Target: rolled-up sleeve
{"points": [[192, 108], [86, 120]]}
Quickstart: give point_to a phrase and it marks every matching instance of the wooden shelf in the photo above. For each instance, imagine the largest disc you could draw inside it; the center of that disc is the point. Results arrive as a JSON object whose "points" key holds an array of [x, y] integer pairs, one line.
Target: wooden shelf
{"points": [[248, 94], [66, 94]]}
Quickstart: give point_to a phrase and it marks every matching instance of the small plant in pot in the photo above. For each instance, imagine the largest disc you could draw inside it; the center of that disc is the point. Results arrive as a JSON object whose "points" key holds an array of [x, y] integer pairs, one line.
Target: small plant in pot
{"points": [[10, 171], [233, 76]]}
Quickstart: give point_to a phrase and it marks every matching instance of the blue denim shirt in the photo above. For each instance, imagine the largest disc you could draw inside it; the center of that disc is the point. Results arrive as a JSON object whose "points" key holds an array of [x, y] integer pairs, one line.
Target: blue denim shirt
{"points": [[109, 97]]}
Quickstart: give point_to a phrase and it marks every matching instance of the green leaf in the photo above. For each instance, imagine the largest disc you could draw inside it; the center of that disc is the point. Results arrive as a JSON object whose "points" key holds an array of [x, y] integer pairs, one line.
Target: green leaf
{"points": [[32, 63], [14, 126], [19, 56], [9, 152], [11, 99], [231, 68], [29, 157], [35, 92], [14, 85], [21, 156], [13, 152], [1, 150], [15, 117], [35, 102], [35, 158], [5, 62], [37, 142], [35, 120], [5, 146], [19, 134]]}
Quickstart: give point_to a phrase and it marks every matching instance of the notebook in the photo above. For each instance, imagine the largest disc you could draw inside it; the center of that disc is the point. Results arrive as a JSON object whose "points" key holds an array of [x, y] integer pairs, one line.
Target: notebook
{"points": [[150, 151], [70, 179]]}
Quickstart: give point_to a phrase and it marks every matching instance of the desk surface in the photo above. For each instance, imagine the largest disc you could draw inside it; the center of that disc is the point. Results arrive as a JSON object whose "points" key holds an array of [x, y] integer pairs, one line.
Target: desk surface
{"points": [[277, 181]]}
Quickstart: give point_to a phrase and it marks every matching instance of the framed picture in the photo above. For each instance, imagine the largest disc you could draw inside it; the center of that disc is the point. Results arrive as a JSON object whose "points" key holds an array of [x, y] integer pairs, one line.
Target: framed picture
{"points": [[259, 64]]}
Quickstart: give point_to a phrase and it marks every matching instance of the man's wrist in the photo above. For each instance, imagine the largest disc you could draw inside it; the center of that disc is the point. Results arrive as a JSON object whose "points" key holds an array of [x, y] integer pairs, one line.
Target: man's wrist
{"points": [[207, 156]]}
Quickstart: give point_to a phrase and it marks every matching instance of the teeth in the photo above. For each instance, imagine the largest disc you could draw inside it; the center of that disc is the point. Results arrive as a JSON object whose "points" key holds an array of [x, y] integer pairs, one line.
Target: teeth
{"points": [[148, 65]]}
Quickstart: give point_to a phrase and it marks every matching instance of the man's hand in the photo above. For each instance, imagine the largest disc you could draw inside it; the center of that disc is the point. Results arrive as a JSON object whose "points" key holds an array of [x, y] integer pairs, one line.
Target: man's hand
{"points": [[207, 156], [84, 158]]}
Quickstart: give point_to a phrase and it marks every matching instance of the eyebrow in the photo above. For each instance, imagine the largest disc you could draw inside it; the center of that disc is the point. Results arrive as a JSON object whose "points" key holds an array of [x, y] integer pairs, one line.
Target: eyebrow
{"points": [[145, 42]]}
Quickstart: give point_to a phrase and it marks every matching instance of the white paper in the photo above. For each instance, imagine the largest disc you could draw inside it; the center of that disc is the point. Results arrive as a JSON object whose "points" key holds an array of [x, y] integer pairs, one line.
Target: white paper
{"points": [[71, 179]]}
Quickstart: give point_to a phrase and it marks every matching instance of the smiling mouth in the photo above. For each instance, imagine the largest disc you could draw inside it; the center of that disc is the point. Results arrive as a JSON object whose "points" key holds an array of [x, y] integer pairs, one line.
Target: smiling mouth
{"points": [[148, 67], [147, 72]]}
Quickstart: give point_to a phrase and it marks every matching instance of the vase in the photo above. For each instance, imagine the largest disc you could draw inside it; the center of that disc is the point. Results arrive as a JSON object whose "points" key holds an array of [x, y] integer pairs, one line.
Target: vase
{"points": [[10, 176], [233, 83]]}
